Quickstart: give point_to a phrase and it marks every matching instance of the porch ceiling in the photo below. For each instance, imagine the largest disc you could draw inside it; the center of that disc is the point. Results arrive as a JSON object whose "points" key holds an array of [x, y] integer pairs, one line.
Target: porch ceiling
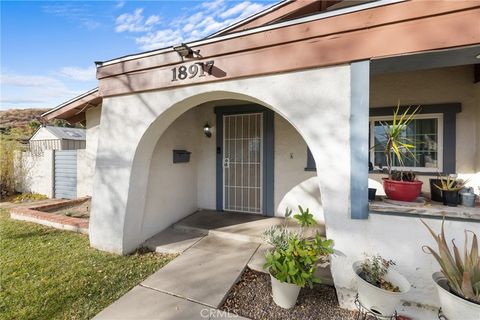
{"points": [[426, 60]]}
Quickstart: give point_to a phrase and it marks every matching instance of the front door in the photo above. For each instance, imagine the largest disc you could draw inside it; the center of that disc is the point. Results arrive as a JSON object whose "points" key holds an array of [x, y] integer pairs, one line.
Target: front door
{"points": [[243, 162]]}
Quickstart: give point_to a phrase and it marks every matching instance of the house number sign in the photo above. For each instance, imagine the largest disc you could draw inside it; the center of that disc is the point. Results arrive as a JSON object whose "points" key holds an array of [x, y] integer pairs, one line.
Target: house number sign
{"points": [[197, 69]]}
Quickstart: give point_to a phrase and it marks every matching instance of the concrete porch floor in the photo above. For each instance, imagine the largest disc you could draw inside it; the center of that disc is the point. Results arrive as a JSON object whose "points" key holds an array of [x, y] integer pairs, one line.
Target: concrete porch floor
{"points": [[239, 226]]}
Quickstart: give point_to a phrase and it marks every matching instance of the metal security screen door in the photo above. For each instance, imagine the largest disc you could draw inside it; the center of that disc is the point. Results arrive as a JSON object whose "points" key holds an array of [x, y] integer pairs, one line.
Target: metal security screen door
{"points": [[242, 162]]}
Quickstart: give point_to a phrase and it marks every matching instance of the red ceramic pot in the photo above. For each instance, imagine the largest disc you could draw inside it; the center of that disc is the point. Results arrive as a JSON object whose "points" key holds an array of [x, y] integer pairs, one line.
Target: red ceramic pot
{"points": [[402, 190]]}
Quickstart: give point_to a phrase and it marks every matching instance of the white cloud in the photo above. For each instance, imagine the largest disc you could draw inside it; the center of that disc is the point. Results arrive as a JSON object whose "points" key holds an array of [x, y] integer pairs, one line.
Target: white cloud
{"points": [[21, 90], [74, 12], [28, 81], [235, 10], [159, 39], [135, 22], [79, 74], [213, 5], [120, 4], [204, 19]]}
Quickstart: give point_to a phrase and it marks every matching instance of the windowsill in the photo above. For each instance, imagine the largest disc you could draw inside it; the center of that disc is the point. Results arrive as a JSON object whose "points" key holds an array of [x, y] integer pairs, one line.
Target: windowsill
{"points": [[430, 209], [418, 173]]}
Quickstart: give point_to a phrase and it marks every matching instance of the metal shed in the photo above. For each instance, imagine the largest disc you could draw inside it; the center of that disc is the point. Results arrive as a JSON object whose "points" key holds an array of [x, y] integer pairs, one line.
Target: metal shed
{"points": [[57, 138]]}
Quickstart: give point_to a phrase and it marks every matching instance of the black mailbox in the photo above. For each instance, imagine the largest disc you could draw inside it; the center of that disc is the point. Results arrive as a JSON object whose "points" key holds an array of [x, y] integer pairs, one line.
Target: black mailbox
{"points": [[180, 156]]}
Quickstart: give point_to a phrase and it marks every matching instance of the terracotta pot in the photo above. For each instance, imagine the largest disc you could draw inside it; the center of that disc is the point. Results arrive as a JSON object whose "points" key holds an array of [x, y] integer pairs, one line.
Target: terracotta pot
{"points": [[402, 190]]}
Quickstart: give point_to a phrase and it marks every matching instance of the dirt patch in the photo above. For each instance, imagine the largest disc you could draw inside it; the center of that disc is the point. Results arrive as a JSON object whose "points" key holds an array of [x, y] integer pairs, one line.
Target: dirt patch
{"points": [[81, 210], [251, 297]]}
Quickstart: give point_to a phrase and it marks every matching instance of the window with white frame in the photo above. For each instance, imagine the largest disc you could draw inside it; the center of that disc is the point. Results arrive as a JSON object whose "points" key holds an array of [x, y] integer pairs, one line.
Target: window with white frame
{"points": [[425, 132]]}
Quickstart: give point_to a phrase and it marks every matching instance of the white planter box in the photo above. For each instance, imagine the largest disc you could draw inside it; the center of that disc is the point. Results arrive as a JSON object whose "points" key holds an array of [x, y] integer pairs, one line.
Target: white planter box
{"points": [[454, 307], [378, 300]]}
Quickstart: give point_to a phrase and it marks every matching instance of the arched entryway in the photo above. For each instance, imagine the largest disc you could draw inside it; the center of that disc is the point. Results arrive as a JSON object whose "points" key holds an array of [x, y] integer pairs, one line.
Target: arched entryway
{"points": [[132, 124], [254, 162]]}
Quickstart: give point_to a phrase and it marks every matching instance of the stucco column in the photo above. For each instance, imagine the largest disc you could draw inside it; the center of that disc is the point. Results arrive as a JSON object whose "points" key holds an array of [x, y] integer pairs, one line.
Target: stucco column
{"points": [[117, 140], [360, 93], [349, 229]]}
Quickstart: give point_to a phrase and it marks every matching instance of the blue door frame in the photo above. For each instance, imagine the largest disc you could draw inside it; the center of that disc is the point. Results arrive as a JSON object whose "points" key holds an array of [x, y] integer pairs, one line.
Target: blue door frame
{"points": [[268, 156]]}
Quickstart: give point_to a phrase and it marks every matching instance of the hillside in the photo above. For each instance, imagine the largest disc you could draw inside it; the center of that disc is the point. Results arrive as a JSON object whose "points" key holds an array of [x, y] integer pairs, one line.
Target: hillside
{"points": [[14, 118]]}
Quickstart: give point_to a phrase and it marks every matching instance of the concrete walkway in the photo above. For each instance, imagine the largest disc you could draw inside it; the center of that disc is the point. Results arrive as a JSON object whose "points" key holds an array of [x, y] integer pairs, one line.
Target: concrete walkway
{"points": [[216, 249], [192, 286]]}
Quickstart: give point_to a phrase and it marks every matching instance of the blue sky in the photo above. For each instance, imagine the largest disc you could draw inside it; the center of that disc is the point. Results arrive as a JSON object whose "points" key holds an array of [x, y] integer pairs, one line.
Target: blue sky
{"points": [[48, 48]]}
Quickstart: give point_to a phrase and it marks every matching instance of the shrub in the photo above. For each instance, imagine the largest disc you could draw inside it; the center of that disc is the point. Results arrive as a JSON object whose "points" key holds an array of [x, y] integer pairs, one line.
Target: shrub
{"points": [[374, 270], [27, 197], [11, 145], [295, 258]]}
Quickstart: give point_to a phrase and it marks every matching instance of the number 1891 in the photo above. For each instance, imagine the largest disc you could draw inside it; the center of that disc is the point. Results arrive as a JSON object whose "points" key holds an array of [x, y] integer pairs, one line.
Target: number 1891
{"points": [[198, 69]]}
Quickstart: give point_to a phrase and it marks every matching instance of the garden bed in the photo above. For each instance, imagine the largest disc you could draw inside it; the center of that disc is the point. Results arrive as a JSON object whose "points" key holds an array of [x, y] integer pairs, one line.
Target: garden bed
{"points": [[251, 297], [76, 210], [56, 214]]}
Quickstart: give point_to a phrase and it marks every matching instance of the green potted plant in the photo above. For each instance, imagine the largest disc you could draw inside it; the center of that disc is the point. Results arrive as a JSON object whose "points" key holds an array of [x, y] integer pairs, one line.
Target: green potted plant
{"points": [[294, 257], [458, 282], [380, 288], [450, 186], [401, 186]]}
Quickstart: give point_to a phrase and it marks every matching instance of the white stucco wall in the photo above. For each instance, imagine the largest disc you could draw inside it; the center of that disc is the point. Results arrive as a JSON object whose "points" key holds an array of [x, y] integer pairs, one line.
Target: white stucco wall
{"points": [[206, 156], [453, 84], [400, 239], [132, 124], [293, 185], [35, 173], [129, 147], [172, 187], [86, 157]]}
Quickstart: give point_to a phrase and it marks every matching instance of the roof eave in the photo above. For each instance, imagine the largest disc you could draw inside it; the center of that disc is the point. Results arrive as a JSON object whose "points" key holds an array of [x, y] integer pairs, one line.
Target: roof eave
{"points": [[73, 109]]}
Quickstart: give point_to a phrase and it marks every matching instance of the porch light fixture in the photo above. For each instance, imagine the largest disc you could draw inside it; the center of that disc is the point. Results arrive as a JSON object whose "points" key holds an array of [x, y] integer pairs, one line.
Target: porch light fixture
{"points": [[184, 50], [207, 130]]}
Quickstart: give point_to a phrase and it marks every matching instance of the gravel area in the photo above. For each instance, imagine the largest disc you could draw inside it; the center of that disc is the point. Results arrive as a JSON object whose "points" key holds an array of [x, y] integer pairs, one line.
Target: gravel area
{"points": [[251, 297]]}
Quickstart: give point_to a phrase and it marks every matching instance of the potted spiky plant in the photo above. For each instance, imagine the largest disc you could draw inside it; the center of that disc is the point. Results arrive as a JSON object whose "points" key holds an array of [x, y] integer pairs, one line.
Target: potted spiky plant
{"points": [[401, 186], [450, 186], [458, 282]]}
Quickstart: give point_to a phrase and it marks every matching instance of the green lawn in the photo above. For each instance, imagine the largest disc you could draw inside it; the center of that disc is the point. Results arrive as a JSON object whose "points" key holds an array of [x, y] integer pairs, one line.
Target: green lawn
{"points": [[51, 274]]}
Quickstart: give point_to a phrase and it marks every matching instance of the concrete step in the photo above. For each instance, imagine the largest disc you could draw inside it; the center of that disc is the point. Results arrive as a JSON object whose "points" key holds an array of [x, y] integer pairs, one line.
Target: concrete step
{"points": [[236, 226], [173, 241], [220, 234]]}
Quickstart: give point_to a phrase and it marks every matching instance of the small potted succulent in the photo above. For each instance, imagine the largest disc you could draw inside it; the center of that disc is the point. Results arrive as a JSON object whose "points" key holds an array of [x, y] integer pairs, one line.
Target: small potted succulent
{"points": [[450, 186], [401, 186], [380, 288], [458, 282], [294, 257]]}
